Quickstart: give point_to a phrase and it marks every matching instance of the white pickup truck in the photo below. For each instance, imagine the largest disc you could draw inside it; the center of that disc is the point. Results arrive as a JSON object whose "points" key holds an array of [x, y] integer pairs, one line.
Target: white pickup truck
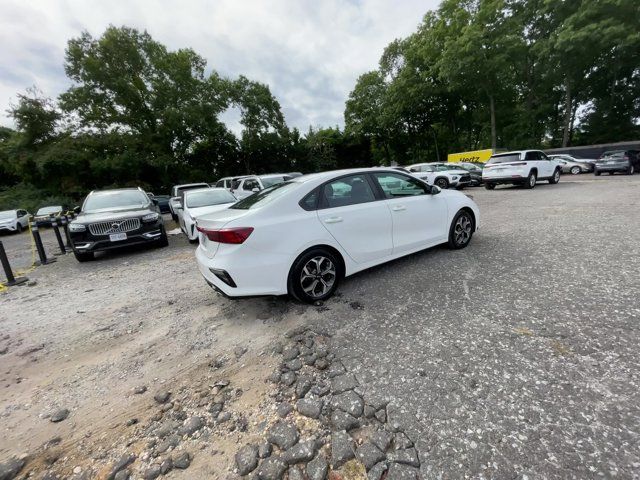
{"points": [[522, 167], [175, 202]]}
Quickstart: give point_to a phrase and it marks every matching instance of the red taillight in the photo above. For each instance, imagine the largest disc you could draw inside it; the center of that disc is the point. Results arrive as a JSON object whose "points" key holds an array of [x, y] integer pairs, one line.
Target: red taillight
{"points": [[227, 235], [626, 158]]}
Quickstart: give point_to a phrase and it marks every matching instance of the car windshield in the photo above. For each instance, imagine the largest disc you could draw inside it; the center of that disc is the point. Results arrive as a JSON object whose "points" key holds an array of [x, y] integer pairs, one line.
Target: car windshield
{"points": [[268, 195], [49, 210], [271, 181], [7, 214], [511, 157], [115, 200], [209, 197]]}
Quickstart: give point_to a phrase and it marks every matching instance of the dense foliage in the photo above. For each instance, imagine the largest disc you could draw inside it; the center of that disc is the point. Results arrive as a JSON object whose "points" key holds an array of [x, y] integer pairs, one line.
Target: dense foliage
{"points": [[475, 74]]}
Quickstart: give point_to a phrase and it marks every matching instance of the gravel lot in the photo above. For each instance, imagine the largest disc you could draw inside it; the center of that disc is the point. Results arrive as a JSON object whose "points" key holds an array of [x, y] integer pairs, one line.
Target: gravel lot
{"points": [[514, 358]]}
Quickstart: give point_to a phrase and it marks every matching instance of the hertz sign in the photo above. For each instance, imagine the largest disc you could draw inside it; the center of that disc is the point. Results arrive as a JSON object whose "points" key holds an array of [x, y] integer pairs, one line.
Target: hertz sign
{"points": [[472, 157]]}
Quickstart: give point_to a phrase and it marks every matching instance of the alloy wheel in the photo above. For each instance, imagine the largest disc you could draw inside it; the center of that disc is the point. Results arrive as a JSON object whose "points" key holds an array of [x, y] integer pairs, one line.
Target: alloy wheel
{"points": [[442, 183], [318, 276], [462, 229], [575, 170]]}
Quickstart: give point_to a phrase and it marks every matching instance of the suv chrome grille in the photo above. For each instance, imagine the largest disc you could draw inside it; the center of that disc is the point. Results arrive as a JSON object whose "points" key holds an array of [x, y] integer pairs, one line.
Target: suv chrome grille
{"points": [[465, 178], [118, 226]]}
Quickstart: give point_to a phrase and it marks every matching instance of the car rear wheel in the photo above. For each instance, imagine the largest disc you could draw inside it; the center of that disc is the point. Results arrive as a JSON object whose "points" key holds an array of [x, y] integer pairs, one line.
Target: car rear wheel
{"points": [[461, 230], [84, 256], [556, 177], [630, 171], [531, 180], [489, 186], [314, 276], [596, 173], [443, 183], [575, 170]]}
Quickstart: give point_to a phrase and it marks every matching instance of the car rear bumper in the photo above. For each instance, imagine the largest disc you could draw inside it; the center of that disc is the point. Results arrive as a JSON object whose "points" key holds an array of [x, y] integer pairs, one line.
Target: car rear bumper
{"points": [[616, 167], [253, 273], [505, 179]]}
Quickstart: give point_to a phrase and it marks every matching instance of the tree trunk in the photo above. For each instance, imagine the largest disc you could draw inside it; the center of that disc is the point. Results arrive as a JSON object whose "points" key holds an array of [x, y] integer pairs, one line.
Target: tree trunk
{"points": [[567, 114], [492, 107]]}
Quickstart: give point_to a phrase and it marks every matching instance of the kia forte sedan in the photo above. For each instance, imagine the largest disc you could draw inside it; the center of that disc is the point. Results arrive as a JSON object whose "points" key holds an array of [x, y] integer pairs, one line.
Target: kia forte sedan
{"points": [[303, 236]]}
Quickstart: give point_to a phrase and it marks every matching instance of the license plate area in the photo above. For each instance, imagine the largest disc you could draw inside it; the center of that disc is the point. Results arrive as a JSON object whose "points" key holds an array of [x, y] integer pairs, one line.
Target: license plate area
{"points": [[117, 237]]}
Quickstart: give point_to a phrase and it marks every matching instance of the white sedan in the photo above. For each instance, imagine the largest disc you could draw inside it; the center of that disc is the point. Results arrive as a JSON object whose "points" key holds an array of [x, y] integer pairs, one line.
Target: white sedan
{"points": [[200, 202], [303, 236]]}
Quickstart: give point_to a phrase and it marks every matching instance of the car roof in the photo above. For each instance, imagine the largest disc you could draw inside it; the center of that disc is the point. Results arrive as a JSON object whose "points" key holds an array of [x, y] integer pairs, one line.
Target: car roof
{"points": [[125, 189], [197, 190]]}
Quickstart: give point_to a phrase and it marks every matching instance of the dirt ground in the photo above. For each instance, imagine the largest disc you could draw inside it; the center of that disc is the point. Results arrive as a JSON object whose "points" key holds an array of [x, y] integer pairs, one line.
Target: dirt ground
{"points": [[85, 335]]}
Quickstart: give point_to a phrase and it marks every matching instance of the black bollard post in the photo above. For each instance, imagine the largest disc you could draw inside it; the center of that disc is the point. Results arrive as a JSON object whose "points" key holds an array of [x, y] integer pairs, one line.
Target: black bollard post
{"points": [[36, 238], [65, 226], [56, 230], [11, 280]]}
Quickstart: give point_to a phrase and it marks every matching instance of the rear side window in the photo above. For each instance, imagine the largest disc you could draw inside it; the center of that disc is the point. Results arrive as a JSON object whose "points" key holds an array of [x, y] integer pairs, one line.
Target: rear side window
{"points": [[349, 190], [220, 184], [250, 184], [310, 202]]}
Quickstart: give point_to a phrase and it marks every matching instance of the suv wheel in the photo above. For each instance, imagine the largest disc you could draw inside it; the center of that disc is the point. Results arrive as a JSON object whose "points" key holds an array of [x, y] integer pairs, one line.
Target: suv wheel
{"points": [[83, 256], [556, 177], [164, 240], [630, 171], [19, 227], [461, 230], [489, 186], [314, 276], [596, 173], [531, 180], [443, 183]]}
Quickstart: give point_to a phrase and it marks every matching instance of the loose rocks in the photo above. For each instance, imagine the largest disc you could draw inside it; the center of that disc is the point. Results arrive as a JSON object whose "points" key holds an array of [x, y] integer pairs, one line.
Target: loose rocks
{"points": [[282, 434], [247, 459], [341, 449], [317, 468], [302, 452], [182, 461], [162, 396], [369, 455], [11, 468], [59, 415], [343, 383], [309, 407], [349, 402], [343, 421], [272, 469]]}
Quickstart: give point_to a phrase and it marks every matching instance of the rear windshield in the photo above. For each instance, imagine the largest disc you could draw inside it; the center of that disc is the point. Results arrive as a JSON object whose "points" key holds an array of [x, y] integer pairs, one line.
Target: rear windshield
{"points": [[512, 157], [49, 210], [266, 196], [271, 181], [118, 200], [191, 187], [614, 154], [207, 198]]}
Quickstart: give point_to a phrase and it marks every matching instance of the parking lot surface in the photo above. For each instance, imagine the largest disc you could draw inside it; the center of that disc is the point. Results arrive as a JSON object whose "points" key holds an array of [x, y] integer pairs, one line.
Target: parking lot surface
{"points": [[516, 357]]}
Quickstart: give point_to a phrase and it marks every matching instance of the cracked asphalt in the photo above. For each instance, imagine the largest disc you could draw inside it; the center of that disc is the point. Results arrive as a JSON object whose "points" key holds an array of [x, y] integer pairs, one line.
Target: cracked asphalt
{"points": [[516, 357]]}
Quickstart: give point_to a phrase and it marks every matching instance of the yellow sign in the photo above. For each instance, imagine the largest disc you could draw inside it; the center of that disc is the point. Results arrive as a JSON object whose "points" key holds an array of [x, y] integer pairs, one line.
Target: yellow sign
{"points": [[472, 157]]}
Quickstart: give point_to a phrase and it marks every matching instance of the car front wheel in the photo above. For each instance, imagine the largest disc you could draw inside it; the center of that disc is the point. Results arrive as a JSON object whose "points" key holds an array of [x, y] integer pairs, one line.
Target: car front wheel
{"points": [[314, 276], [443, 183], [83, 256], [461, 230], [575, 170], [556, 177], [19, 227]]}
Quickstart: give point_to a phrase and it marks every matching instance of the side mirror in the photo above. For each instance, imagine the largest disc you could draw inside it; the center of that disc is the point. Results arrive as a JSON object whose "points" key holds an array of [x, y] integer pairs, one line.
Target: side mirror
{"points": [[254, 190], [435, 190], [76, 209]]}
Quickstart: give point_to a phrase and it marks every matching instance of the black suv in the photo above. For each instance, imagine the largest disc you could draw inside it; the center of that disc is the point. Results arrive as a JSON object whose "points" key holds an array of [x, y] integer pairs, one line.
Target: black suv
{"points": [[112, 219]]}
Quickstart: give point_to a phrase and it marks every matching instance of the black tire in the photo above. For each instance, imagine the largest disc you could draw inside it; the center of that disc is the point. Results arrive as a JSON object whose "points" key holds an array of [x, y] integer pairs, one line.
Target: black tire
{"points": [[19, 228], [489, 186], [531, 180], [575, 170], [461, 230], [83, 256], [164, 240], [630, 171], [555, 178], [174, 217], [312, 260], [442, 182], [596, 173]]}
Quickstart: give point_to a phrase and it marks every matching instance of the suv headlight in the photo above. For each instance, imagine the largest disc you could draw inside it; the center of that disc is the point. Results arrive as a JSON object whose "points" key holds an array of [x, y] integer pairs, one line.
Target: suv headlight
{"points": [[150, 217], [454, 177], [77, 227]]}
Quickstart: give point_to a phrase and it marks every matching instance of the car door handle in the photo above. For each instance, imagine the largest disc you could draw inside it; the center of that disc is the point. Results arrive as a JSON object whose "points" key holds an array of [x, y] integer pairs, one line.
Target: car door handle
{"points": [[398, 208], [333, 220]]}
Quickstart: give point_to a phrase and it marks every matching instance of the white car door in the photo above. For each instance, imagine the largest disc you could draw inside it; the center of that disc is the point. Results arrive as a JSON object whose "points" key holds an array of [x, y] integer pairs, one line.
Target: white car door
{"points": [[23, 218], [419, 218], [357, 220]]}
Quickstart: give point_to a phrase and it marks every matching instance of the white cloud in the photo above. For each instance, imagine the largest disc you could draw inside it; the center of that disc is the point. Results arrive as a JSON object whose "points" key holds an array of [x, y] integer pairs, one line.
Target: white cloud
{"points": [[309, 52]]}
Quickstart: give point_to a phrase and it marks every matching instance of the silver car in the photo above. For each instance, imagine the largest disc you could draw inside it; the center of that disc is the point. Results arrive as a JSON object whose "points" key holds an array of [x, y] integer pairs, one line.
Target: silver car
{"points": [[573, 165]]}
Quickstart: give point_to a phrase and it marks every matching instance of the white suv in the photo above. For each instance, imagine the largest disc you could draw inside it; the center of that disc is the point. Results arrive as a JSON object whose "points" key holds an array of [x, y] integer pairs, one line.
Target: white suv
{"points": [[523, 167], [441, 175], [242, 187]]}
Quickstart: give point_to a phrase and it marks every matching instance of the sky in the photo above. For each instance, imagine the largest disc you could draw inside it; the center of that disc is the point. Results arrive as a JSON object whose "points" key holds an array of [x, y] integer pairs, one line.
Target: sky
{"points": [[309, 52]]}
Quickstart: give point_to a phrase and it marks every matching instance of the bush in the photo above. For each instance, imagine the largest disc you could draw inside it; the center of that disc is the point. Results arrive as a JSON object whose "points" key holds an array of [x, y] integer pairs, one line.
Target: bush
{"points": [[31, 198]]}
